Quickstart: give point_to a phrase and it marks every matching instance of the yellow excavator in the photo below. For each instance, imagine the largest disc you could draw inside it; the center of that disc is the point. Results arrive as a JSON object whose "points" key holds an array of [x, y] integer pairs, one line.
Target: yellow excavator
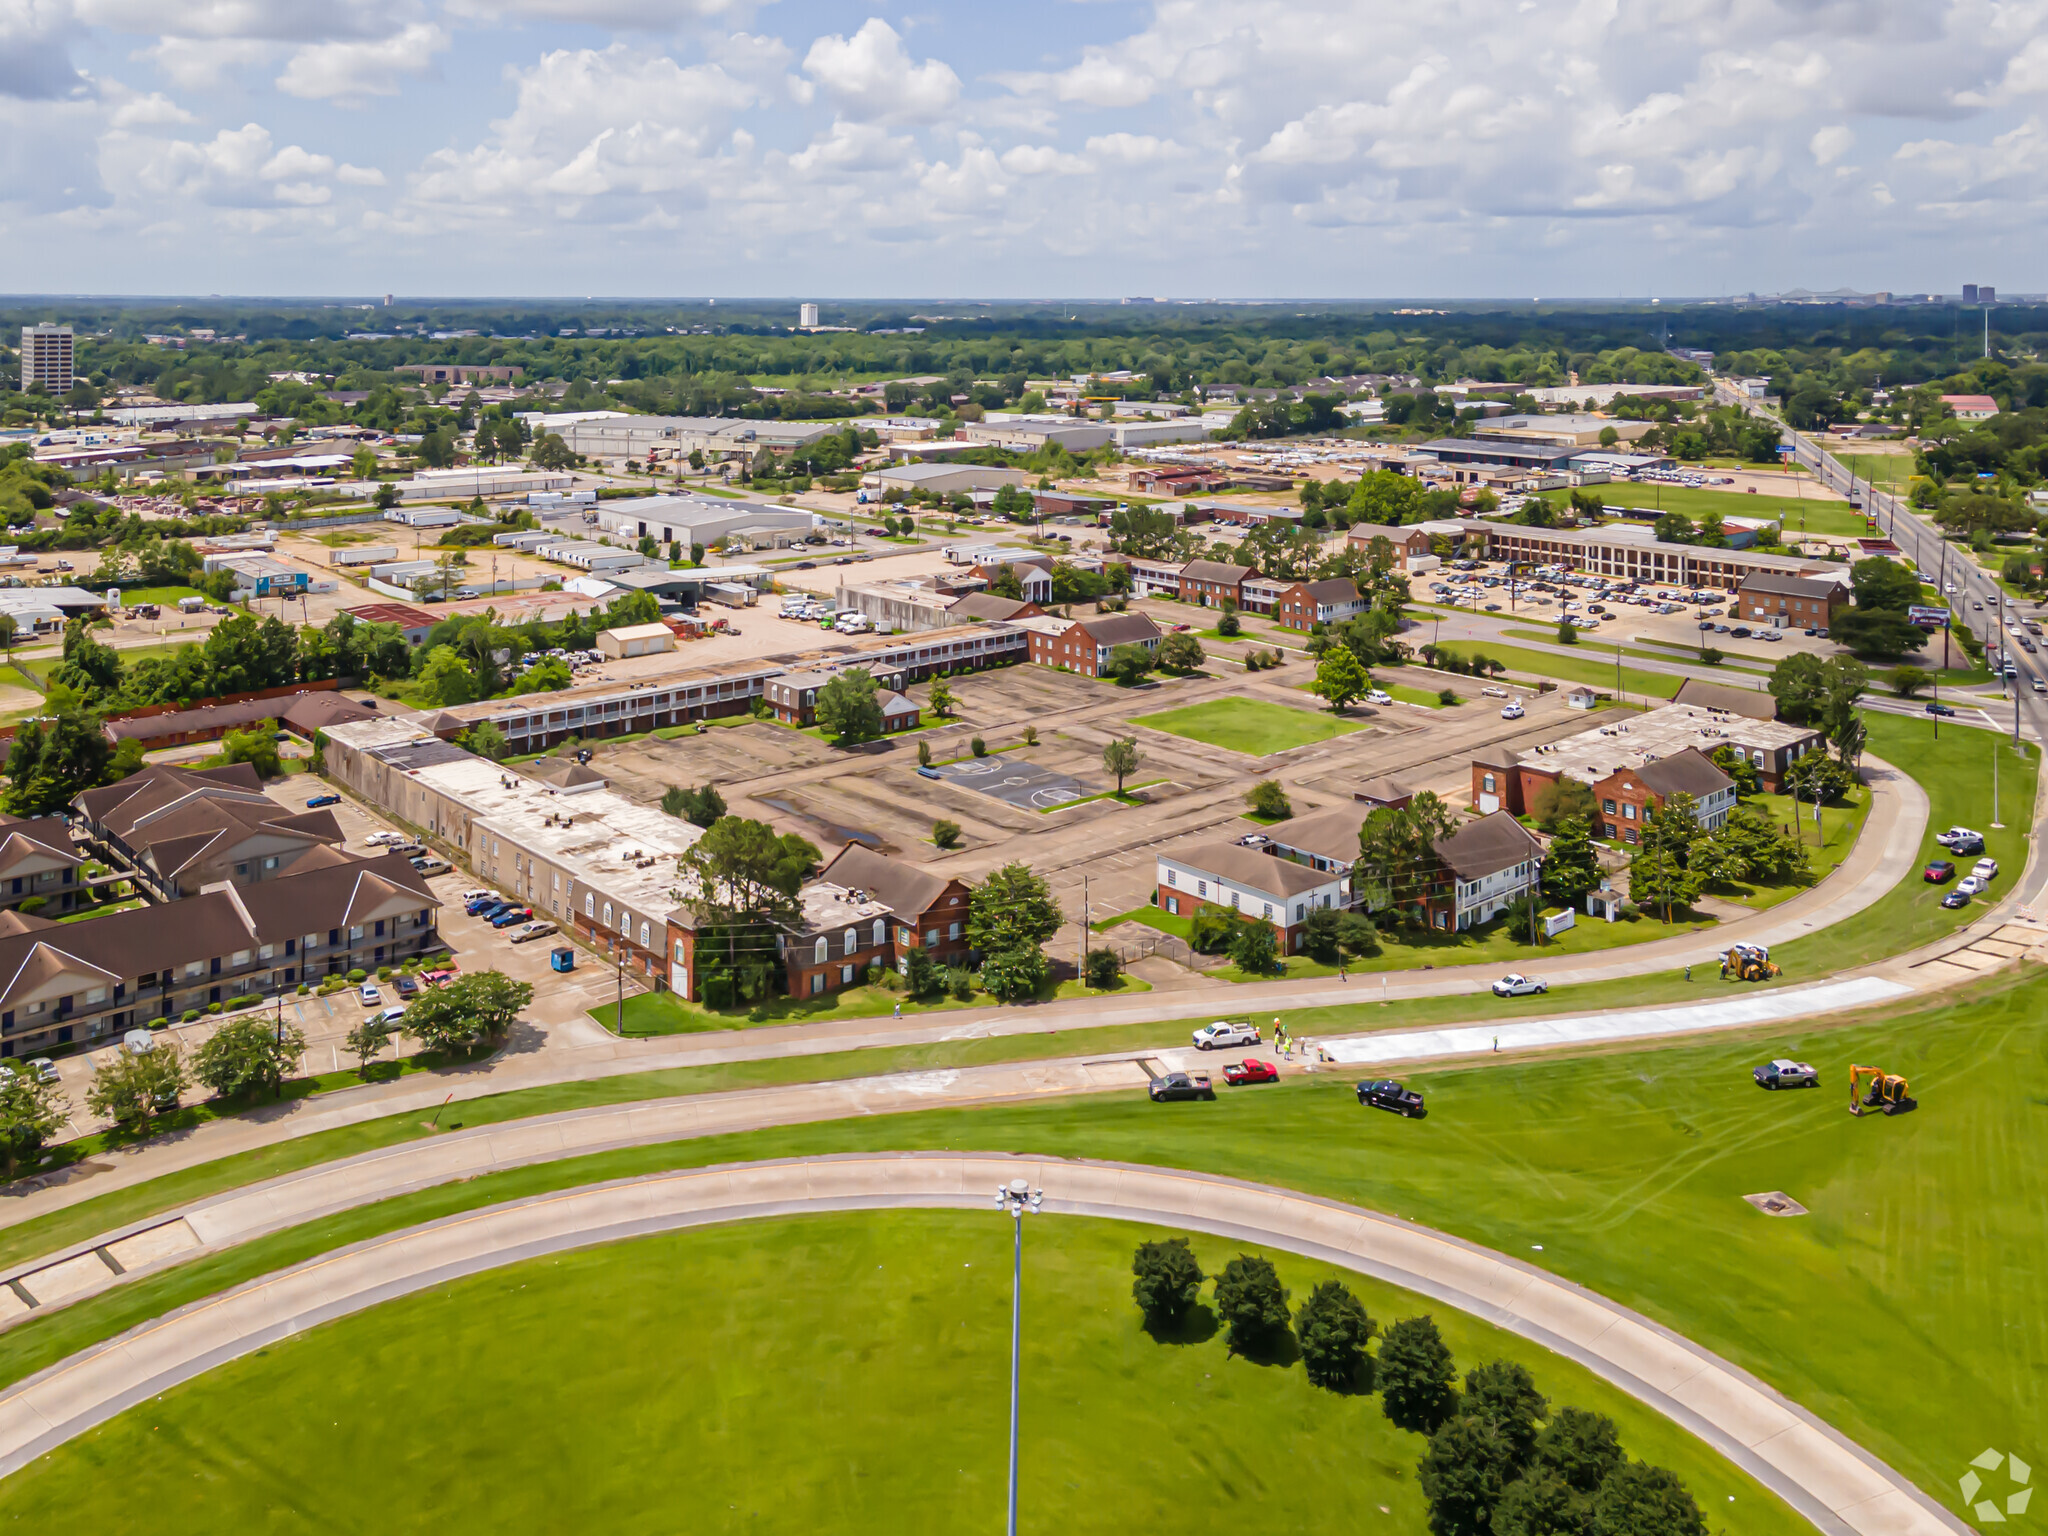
{"points": [[1888, 1092], [1747, 962]]}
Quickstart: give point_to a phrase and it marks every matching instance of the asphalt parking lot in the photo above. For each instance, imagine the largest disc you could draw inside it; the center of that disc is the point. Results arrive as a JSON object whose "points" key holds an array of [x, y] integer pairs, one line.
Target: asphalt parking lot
{"points": [[1015, 782]]}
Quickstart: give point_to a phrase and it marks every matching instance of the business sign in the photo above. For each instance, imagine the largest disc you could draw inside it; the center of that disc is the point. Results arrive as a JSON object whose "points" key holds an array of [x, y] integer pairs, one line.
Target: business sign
{"points": [[1928, 618]]}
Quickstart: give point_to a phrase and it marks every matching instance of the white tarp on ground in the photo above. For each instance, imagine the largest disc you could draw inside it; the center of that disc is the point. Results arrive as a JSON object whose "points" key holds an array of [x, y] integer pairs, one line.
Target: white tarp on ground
{"points": [[1730, 1012]]}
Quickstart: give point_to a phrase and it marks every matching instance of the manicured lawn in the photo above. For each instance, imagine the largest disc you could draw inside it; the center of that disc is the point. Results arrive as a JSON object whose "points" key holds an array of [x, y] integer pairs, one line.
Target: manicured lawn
{"points": [[1823, 514], [1404, 694], [1840, 826], [120, 904], [663, 1013], [1255, 727], [1593, 667], [167, 596], [1650, 650], [1955, 771], [825, 1373]]}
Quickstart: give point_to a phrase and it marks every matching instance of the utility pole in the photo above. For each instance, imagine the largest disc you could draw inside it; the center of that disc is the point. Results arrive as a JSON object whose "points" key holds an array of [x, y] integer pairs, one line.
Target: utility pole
{"points": [[1084, 931], [1016, 1197]]}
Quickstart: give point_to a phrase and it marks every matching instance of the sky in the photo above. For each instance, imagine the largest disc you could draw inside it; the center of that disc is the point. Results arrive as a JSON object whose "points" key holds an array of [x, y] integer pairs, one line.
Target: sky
{"points": [[1033, 149]]}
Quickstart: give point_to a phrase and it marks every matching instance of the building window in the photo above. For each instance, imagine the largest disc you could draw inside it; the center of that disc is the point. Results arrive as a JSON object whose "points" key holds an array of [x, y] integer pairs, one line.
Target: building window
{"points": [[643, 935], [1486, 782], [846, 975], [1172, 877], [1607, 806], [680, 957], [589, 905], [821, 951]]}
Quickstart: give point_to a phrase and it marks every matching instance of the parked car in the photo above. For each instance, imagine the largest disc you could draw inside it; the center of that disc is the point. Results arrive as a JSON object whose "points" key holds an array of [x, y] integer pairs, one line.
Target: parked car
{"points": [[391, 1016], [1786, 1074], [1514, 984], [1956, 835], [1223, 1033], [533, 930], [510, 916], [432, 865], [1494, 693], [1932, 709], [1955, 898], [138, 1042], [1175, 1086], [1385, 1093], [2039, 686], [405, 987], [1985, 869], [1970, 885], [369, 994], [42, 1069], [319, 800], [1937, 871], [466, 897], [1250, 1070], [436, 978], [1378, 696], [1511, 712]]}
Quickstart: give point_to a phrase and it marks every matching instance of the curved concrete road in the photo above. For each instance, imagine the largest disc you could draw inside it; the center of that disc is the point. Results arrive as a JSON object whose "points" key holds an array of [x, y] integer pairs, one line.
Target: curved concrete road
{"points": [[1835, 1484]]}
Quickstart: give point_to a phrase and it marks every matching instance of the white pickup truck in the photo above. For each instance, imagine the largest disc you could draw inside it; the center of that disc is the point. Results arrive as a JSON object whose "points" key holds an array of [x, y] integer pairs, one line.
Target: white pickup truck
{"points": [[1221, 1035]]}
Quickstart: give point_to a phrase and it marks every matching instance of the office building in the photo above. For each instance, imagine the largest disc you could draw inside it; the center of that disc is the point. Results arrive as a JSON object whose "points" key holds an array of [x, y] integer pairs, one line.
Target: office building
{"points": [[807, 316], [46, 358]]}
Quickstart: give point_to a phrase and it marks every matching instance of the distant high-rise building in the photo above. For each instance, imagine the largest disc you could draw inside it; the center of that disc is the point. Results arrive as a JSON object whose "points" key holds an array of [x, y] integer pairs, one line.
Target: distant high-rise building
{"points": [[1969, 293], [807, 315], [46, 358], [1986, 294]]}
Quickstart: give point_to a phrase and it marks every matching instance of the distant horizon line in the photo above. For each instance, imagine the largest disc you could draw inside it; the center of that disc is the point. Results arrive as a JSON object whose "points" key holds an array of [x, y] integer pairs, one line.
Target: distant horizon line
{"points": [[372, 302]]}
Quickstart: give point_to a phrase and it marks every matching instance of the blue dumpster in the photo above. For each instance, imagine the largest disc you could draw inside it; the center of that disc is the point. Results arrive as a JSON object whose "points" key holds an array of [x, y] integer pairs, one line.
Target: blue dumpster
{"points": [[563, 959]]}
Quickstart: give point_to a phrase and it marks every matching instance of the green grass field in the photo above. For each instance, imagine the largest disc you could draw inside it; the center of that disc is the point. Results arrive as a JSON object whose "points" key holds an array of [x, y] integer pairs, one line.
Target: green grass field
{"points": [[1255, 727], [168, 596], [1823, 514], [663, 1013], [1653, 650], [825, 1375], [1401, 693], [1623, 1170], [1587, 668]]}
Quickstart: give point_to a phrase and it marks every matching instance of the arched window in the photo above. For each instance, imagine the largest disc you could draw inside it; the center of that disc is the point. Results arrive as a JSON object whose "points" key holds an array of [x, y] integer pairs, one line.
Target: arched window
{"points": [[607, 914], [822, 951], [589, 905], [852, 941], [643, 935], [625, 922], [881, 932]]}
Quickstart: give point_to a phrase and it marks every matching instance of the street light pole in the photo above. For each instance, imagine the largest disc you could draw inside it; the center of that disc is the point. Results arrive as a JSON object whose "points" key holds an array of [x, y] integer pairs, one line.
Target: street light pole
{"points": [[1016, 1197]]}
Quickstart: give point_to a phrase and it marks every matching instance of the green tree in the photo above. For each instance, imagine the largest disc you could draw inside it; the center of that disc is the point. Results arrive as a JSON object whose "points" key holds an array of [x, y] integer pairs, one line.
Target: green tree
{"points": [[1339, 678], [941, 698], [1009, 915], [1179, 652], [1356, 935], [468, 1012], [1266, 798], [1567, 631], [1879, 583], [1322, 934], [1252, 1303], [700, 807], [31, 1112], [946, 834], [1255, 948], [1505, 1393], [1906, 682], [256, 747], [1121, 757], [1229, 626], [445, 679], [1102, 967], [1539, 1504], [1333, 1329], [131, 1089], [1877, 634], [1637, 1499], [1579, 1448], [8, 627], [367, 1041], [55, 759], [485, 739], [1560, 801], [1734, 762], [1571, 867], [741, 875], [849, 707], [1006, 583], [245, 1055], [1167, 1281], [1415, 1375], [1012, 504], [1467, 1467], [550, 452], [1130, 663], [1658, 877]]}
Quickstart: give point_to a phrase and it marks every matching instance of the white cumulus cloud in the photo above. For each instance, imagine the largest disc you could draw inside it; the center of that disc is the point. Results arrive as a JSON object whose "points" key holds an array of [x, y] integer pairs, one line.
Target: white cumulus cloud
{"points": [[370, 67], [871, 77]]}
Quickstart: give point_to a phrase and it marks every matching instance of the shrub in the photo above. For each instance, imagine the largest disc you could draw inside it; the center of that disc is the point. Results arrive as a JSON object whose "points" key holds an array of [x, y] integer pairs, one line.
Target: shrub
{"points": [[1102, 967], [246, 1000], [383, 973], [1269, 800], [959, 983], [304, 989], [1447, 695], [717, 992], [978, 747], [874, 975], [157, 1024], [924, 754], [33, 905], [1169, 1280], [188, 1016], [945, 833], [213, 1007], [1228, 625], [358, 975]]}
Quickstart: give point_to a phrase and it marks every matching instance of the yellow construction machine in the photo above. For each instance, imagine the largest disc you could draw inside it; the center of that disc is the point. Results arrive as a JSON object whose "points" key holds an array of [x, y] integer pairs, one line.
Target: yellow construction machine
{"points": [[1747, 962], [1888, 1092]]}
